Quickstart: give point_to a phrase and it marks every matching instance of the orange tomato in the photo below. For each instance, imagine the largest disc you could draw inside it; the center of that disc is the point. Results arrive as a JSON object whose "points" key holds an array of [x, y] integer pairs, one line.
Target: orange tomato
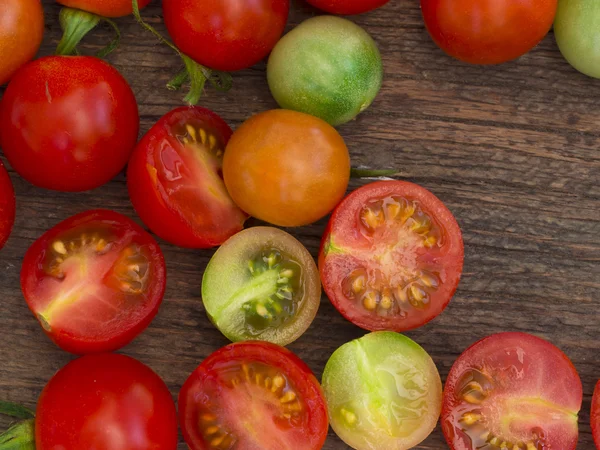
{"points": [[286, 168]]}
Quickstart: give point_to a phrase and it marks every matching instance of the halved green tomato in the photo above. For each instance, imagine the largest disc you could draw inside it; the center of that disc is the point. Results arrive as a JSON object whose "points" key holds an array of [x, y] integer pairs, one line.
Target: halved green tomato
{"points": [[262, 284], [383, 392]]}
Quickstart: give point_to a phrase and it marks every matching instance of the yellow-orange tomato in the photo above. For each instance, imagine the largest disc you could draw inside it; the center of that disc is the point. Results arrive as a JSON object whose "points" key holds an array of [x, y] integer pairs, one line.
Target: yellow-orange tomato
{"points": [[286, 168], [21, 31]]}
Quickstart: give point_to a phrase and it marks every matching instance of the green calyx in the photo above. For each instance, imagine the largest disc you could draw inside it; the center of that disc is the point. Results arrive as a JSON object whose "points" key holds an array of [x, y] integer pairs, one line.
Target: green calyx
{"points": [[22, 435], [75, 24]]}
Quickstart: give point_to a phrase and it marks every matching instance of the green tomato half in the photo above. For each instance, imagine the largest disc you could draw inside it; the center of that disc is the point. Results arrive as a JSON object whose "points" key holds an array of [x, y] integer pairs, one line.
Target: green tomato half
{"points": [[383, 392], [577, 31], [328, 67]]}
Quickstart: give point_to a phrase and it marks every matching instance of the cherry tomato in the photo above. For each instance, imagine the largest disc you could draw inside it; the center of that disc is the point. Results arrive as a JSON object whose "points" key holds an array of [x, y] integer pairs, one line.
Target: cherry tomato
{"points": [[175, 180], [68, 123], [347, 7], [262, 284], [391, 256], [7, 205], [383, 391], [286, 168], [230, 35], [94, 281], [21, 32], [512, 390], [106, 402], [488, 31], [253, 395], [105, 8], [595, 415]]}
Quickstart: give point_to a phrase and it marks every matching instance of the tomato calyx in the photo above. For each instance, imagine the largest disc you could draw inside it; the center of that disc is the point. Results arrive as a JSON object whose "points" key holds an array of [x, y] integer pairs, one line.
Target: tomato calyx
{"points": [[22, 434], [364, 172], [76, 24]]}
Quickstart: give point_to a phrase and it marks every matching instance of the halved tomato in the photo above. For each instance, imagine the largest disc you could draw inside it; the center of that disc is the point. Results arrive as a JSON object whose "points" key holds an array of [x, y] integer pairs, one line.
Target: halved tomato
{"points": [[175, 180], [512, 391], [253, 396], [595, 415], [391, 256], [7, 205], [94, 281]]}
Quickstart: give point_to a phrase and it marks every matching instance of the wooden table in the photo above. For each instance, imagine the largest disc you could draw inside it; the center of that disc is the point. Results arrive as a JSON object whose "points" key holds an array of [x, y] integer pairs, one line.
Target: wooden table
{"points": [[512, 150]]}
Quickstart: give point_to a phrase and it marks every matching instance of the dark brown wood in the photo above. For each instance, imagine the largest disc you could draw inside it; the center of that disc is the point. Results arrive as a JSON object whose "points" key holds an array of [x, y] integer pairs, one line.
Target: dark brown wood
{"points": [[512, 150]]}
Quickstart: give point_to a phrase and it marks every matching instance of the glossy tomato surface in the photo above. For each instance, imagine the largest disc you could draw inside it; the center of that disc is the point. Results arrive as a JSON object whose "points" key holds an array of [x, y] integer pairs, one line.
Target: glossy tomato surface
{"points": [[106, 402], [7, 205], [226, 35], [595, 415], [488, 31], [94, 281], [21, 32], [346, 7], [105, 8], [512, 390], [175, 180], [253, 396], [286, 168], [68, 123], [391, 257]]}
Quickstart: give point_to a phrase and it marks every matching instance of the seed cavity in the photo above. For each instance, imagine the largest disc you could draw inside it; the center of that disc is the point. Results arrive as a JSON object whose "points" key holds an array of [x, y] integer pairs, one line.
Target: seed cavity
{"points": [[132, 270], [63, 249], [200, 136]]}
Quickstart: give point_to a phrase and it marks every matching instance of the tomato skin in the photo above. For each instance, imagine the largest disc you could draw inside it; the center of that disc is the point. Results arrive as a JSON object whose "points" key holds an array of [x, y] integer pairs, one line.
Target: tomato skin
{"points": [[21, 32], [113, 330], [347, 7], [154, 203], [106, 402], [7, 205], [488, 31], [226, 36], [104, 8], [286, 168], [51, 147], [595, 415]]}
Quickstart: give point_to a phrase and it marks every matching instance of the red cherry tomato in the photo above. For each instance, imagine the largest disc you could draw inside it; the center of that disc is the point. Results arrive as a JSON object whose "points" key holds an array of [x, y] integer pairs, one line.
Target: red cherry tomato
{"points": [[68, 123], [105, 8], [226, 35], [488, 31], [254, 395], [7, 205], [106, 402], [94, 281], [595, 415], [347, 7], [512, 390], [175, 181]]}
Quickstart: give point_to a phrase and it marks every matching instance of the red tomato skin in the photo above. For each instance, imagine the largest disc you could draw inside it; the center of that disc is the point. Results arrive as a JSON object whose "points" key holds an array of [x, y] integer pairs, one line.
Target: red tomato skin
{"points": [[7, 205], [488, 31], [595, 415], [105, 8], [347, 7], [106, 402], [226, 36], [32, 271], [53, 147]]}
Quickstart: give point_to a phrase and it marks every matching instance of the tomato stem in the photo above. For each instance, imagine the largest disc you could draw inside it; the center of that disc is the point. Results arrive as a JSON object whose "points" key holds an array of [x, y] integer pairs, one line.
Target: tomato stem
{"points": [[15, 410], [19, 437], [75, 24], [359, 172]]}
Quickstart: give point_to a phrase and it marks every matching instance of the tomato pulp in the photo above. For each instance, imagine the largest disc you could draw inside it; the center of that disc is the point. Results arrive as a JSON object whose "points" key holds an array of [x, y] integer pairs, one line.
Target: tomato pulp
{"points": [[347, 7], [94, 281], [256, 396], [105, 8], [68, 123], [391, 256], [175, 180], [512, 390], [7, 205]]}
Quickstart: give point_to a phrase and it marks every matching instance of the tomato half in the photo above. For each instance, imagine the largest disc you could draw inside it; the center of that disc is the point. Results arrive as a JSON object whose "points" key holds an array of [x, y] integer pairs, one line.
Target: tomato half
{"points": [[7, 205], [68, 123], [286, 168], [105, 8], [595, 415], [514, 391], [262, 284], [391, 257], [21, 32], [253, 396], [230, 35], [347, 7], [94, 281], [175, 180], [106, 402], [488, 31]]}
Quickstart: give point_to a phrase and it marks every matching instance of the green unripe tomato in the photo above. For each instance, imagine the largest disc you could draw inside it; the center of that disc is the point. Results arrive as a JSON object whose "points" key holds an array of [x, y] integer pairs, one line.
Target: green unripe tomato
{"points": [[577, 31], [328, 67]]}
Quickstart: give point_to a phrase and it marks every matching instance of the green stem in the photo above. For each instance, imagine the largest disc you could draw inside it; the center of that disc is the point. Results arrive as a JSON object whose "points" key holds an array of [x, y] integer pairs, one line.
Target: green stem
{"points": [[372, 173], [19, 437], [75, 24], [14, 410], [178, 80]]}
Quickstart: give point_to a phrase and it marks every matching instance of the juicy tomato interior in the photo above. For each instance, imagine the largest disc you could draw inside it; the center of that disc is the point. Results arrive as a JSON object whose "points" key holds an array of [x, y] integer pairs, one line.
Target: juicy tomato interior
{"points": [[94, 281], [392, 256], [7, 205], [515, 391], [595, 415], [250, 396]]}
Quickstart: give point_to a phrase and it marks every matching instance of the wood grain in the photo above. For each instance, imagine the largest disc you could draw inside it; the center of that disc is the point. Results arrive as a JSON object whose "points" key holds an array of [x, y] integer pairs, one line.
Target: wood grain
{"points": [[512, 150]]}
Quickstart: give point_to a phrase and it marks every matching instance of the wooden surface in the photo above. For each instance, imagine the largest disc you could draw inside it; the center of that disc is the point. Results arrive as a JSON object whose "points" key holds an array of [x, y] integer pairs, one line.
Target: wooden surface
{"points": [[512, 150]]}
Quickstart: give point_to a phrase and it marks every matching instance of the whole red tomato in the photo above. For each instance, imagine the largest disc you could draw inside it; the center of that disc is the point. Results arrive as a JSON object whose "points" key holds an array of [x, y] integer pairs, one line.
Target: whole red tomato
{"points": [[7, 205], [226, 35], [346, 7], [68, 123], [488, 31], [105, 8]]}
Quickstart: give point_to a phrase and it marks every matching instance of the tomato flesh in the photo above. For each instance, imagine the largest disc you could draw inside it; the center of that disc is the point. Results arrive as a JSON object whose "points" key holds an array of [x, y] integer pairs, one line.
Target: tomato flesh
{"points": [[253, 395], [7, 205], [512, 390], [94, 281], [105, 8], [391, 257]]}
